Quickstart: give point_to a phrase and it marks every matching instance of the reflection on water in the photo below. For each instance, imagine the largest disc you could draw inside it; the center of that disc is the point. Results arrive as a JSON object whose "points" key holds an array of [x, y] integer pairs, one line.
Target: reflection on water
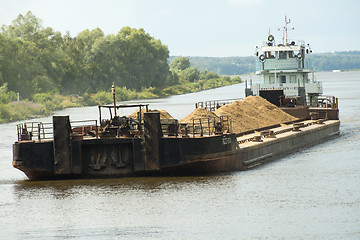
{"points": [[311, 194], [67, 188], [128, 207]]}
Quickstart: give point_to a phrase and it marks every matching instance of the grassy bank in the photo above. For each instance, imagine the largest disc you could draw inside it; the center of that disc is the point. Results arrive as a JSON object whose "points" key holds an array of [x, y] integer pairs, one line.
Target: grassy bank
{"points": [[43, 104]]}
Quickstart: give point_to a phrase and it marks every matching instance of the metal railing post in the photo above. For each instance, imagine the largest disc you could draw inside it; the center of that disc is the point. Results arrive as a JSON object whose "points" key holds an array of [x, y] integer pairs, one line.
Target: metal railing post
{"points": [[39, 138]]}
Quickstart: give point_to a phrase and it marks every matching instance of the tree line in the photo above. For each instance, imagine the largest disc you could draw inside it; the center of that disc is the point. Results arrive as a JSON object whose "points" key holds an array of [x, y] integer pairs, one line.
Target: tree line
{"points": [[346, 60], [36, 59]]}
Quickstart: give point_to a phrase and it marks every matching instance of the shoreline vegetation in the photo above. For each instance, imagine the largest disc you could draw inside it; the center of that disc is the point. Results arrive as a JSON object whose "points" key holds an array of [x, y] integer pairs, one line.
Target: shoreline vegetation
{"points": [[42, 70], [44, 104]]}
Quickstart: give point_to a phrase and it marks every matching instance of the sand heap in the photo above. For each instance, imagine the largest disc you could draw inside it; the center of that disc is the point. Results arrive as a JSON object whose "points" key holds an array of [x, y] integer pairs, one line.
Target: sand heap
{"points": [[248, 114], [163, 114], [198, 113], [252, 113]]}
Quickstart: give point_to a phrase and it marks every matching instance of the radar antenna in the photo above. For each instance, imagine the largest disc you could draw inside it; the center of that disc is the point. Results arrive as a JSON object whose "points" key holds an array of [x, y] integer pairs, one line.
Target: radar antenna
{"points": [[285, 31]]}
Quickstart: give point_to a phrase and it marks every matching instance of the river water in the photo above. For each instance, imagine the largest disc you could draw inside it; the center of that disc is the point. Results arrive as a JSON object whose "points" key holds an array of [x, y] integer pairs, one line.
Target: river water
{"points": [[311, 194]]}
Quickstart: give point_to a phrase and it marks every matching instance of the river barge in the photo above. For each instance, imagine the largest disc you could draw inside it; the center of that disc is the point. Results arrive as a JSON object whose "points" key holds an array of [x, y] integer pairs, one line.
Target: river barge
{"points": [[150, 145]]}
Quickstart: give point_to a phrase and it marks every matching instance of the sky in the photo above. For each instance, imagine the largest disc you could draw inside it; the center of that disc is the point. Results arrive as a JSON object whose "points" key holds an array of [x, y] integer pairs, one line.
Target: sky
{"points": [[211, 28]]}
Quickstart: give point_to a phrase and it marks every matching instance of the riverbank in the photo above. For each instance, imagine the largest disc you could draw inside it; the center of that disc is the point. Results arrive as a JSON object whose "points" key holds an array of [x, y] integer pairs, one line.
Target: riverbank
{"points": [[43, 104]]}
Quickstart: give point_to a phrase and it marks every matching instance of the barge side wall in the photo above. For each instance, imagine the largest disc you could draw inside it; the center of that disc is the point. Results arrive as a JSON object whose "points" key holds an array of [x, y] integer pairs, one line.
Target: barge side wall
{"points": [[290, 143]]}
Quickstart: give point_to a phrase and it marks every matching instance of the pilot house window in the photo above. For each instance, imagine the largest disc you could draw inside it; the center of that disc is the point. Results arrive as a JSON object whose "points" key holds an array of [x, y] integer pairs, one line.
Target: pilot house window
{"points": [[283, 79], [282, 55], [292, 78]]}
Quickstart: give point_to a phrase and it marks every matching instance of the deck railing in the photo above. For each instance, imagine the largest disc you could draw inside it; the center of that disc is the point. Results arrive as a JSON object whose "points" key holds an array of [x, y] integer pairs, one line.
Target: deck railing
{"points": [[212, 105], [209, 126], [44, 131], [197, 127], [39, 131], [327, 102]]}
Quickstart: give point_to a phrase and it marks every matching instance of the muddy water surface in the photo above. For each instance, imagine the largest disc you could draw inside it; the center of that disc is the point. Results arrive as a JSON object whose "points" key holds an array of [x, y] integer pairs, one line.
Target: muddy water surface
{"points": [[311, 194]]}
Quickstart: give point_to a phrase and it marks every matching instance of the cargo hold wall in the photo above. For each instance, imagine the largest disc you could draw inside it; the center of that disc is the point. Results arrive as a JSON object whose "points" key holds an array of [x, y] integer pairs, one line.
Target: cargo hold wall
{"points": [[269, 149]]}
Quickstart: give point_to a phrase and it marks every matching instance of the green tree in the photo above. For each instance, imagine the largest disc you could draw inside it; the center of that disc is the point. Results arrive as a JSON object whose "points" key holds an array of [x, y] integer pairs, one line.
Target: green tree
{"points": [[80, 62], [172, 79], [132, 58], [5, 95], [32, 60], [23, 27], [208, 75], [191, 74], [180, 63]]}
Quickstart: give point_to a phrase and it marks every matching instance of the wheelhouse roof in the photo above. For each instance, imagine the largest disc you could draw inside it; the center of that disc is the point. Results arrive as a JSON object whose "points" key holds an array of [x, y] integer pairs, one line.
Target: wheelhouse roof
{"points": [[281, 48]]}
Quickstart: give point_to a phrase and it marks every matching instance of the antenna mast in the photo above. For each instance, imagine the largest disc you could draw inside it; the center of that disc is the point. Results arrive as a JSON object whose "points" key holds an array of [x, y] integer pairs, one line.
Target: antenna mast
{"points": [[285, 29]]}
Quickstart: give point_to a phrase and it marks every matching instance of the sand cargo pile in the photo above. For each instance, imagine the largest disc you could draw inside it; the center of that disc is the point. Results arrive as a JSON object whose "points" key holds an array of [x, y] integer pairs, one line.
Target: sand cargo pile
{"points": [[253, 113], [163, 114], [198, 113], [245, 115]]}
